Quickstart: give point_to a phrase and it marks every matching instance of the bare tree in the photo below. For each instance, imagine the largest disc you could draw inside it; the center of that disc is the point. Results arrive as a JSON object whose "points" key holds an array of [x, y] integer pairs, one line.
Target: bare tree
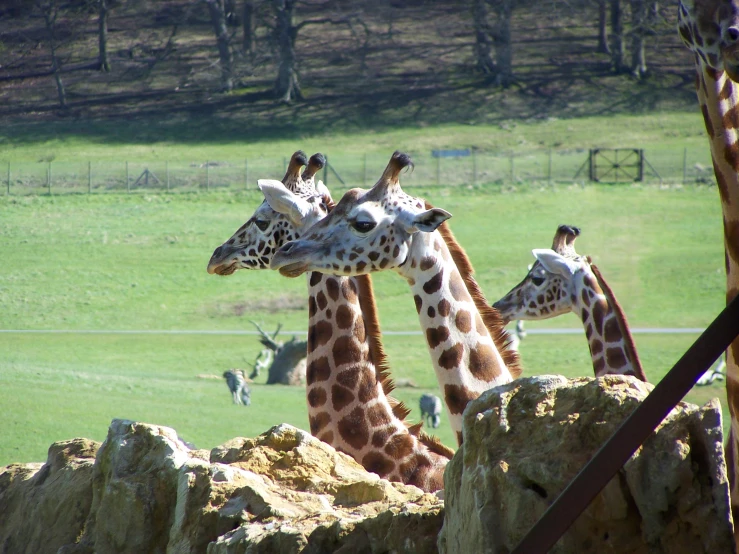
{"points": [[502, 41], [288, 366], [287, 85], [103, 57], [50, 12], [248, 25], [603, 27], [618, 50], [643, 16], [483, 46], [217, 11]]}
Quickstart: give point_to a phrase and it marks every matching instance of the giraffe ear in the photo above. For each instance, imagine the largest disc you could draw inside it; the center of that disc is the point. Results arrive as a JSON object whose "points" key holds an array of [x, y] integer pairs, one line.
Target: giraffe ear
{"points": [[284, 201], [555, 263], [429, 220]]}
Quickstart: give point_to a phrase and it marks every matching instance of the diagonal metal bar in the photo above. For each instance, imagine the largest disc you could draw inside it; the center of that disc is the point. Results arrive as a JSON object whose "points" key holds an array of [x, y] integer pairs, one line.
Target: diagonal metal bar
{"points": [[632, 433]]}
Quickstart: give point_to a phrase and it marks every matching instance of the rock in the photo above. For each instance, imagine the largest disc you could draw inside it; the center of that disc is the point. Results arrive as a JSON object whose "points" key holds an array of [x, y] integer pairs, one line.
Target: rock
{"points": [[44, 506], [146, 491], [525, 441]]}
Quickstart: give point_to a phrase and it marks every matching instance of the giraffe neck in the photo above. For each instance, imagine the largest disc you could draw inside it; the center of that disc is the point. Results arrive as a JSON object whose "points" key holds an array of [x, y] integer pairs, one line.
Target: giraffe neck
{"points": [[612, 347], [463, 352], [347, 387], [718, 97]]}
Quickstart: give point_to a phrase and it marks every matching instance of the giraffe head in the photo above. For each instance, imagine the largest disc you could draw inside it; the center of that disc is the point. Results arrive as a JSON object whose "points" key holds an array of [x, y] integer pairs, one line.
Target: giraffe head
{"points": [[710, 28], [549, 288], [367, 231], [290, 206]]}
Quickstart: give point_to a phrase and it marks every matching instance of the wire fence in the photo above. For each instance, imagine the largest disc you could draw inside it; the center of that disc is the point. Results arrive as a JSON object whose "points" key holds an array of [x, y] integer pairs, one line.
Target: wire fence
{"points": [[437, 168]]}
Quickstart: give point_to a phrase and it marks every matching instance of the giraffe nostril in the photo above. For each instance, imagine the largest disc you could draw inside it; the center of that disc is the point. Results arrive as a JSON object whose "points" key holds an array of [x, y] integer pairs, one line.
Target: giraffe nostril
{"points": [[287, 247], [733, 33]]}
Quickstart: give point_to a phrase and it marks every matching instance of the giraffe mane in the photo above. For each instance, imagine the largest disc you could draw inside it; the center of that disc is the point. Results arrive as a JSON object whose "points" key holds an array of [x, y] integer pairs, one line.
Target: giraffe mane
{"points": [[490, 316], [623, 324], [376, 349], [431, 442]]}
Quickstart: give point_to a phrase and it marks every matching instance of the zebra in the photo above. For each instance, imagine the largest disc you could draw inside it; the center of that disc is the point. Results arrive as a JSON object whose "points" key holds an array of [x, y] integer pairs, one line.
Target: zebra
{"points": [[430, 409], [238, 387]]}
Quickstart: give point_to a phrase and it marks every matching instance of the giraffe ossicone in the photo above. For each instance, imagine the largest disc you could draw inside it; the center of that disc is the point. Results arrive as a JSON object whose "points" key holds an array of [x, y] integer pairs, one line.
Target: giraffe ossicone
{"points": [[384, 228], [348, 384], [561, 281]]}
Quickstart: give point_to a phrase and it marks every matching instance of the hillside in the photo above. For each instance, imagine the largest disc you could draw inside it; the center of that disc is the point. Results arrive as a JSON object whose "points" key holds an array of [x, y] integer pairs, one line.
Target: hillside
{"points": [[398, 63]]}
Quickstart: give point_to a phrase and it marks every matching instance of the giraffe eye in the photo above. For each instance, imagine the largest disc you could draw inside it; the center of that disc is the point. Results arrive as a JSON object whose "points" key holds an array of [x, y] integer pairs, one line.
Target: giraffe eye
{"points": [[261, 224], [364, 226], [538, 281]]}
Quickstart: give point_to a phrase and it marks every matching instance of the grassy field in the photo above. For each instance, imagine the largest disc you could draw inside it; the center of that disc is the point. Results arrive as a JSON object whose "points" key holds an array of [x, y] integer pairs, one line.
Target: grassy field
{"points": [[137, 262]]}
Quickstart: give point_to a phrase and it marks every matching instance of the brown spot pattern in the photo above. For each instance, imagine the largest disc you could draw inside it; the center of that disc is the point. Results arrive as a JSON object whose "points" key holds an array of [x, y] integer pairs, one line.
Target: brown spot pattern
{"points": [[451, 357], [444, 307], [341, 397], [332, 287], [321, 301], [482, 364], [318, 370], [399, 446], [345, 350], [315, 278], [377, 463], [344, 317], [377, 416], [599, 313], [379, 437], [349, 291], [458, 288], [367, 389], [419, 303], [353, 429], [434, 284], [348, 378], [615, 357], [463, 320], [596, 347], [328, 437], [436, 335], [598, 366], [316, 397], [426, 263], [318, 422], [457, 398], [320, 334], [731, 155], [611, 331]]}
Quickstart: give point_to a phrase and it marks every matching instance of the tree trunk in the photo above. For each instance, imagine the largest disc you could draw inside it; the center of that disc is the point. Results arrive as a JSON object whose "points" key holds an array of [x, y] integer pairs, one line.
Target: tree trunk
{"points": [[218, 18], [483, 45], [248, 26], [287, 86], [603, 27], [502, 41], [103, 36], [50, 12], [643, 15], [618, 53]]}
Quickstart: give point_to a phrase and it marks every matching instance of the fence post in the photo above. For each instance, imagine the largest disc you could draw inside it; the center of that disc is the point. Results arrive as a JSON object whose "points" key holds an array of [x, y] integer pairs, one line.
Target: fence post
{"points": [[474, 168], [166, 171], [685, 165], [89, 177], [246, 174], [48, 177], [128, 184], [207, 175], [8, 178], [549, 171]]}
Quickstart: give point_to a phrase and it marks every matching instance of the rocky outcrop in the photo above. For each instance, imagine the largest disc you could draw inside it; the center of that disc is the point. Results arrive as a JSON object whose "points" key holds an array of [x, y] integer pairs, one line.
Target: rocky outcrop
{"points": [[148, 491], [525, 441]]}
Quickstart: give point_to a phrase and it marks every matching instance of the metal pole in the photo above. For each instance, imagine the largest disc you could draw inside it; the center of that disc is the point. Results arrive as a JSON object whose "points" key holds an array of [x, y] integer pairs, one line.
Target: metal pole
{"points": [[166, 171], [128, 184], [89, 177], [48, 177], [207, 175], [685, 165], [549, 172], [632, 433]]}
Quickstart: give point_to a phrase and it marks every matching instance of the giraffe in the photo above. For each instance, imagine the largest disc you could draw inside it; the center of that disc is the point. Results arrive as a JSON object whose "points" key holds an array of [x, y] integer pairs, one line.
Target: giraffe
{"points": [[384, 228], [348, 382], [710, 29], [562, 281]]}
